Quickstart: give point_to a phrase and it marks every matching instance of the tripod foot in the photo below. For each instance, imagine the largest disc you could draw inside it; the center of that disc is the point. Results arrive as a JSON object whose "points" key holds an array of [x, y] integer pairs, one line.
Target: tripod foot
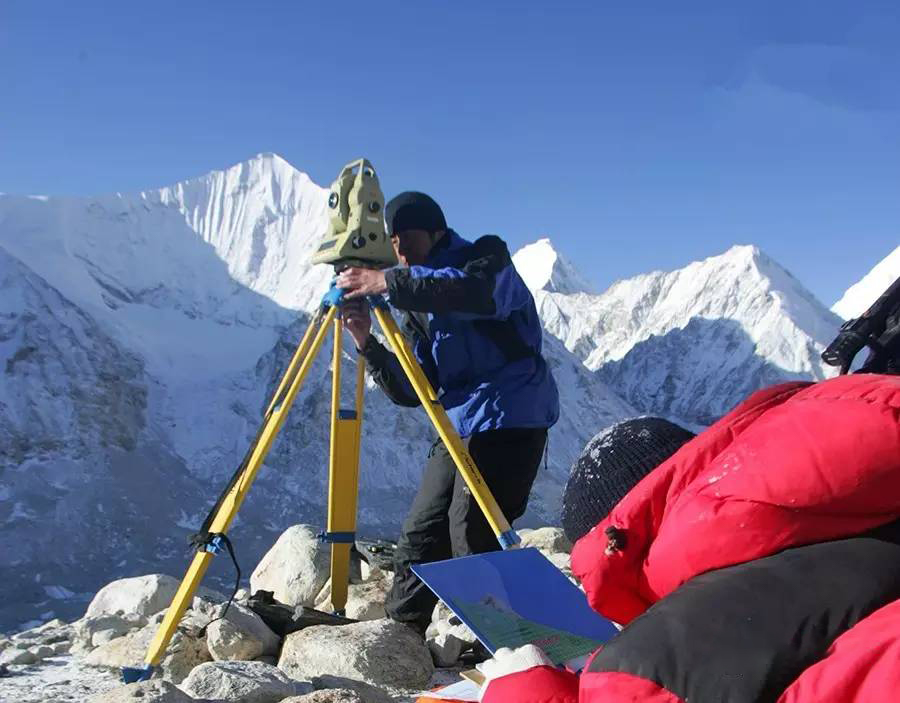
{"points": [[133, 674], [509, 539]]}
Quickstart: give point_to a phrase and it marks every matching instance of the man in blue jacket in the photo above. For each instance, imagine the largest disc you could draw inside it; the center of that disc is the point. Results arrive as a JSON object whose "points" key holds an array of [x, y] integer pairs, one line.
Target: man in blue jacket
{"points": [[475, 331]]}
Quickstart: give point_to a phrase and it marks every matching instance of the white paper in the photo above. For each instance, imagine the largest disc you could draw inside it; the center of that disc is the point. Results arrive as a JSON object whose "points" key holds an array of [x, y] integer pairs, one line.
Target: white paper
{"points": [[463, 690]]}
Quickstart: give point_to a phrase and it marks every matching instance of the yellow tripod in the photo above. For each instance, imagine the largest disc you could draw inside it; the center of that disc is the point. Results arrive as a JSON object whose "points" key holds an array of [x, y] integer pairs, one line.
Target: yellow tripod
{"points": [[343, 465]]}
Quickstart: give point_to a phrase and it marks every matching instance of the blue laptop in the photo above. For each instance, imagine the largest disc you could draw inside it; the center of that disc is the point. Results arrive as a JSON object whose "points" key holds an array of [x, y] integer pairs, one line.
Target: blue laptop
{"points": [[518, 597]]}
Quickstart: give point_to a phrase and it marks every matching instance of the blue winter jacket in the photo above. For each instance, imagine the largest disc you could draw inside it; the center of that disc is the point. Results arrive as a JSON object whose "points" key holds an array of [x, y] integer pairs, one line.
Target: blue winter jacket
{"points": [[477, 335]]}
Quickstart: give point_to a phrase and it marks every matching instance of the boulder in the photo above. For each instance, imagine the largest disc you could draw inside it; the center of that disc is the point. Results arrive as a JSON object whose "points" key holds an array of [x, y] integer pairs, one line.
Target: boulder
{"points": [[42, 651], [245, 681], [134, 598], [295, 568], [446, 649], [185, 651], [365, 601], [551, 540], [17, 655], [240, 636], [139, 597], [90, 632], [152, 691], [379, 652], [37, 634], [331, 695], [445, 622], [367, 692]]}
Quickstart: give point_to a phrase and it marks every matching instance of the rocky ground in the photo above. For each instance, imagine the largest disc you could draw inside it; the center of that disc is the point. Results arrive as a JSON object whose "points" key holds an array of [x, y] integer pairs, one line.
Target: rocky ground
{"points": [[239, 657]]}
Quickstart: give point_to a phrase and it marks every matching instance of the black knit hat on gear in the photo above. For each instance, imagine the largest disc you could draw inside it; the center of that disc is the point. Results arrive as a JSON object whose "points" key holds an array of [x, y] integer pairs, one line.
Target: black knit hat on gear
{"points": [[412, 210], [612, 463]]}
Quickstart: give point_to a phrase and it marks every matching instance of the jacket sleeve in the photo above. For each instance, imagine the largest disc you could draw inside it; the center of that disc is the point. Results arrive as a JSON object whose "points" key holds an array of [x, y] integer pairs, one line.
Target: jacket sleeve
{"points": [[486, 287], [540, 684], [388, 374], [863, 664]]}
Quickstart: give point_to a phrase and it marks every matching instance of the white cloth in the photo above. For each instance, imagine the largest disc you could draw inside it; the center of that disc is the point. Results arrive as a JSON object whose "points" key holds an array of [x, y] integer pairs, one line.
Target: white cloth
{"points": [[510, 661]]}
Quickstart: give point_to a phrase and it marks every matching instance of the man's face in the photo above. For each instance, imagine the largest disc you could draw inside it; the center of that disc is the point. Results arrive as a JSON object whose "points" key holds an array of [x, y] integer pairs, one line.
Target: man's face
{"points": [[412, 246]]}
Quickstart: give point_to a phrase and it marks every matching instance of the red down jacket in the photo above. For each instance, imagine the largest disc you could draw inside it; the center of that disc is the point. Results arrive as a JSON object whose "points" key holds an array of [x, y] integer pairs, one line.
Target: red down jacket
{"points": [[794, 464]]}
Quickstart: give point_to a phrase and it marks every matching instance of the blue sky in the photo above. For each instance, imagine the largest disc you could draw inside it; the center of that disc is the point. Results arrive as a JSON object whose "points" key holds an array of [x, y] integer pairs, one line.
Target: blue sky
{"points": [[637, 136]]}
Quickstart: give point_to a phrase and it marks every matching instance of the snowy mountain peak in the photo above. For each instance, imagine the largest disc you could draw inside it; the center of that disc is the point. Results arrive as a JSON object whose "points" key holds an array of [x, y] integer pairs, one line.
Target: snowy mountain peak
{"points": [[265, 219], [749, 256], [543, 268], [714, 330], [862, 294]]}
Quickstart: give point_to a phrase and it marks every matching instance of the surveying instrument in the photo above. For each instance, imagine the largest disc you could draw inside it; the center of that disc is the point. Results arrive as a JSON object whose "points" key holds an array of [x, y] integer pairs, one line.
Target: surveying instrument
{"points": [[356, 237]]}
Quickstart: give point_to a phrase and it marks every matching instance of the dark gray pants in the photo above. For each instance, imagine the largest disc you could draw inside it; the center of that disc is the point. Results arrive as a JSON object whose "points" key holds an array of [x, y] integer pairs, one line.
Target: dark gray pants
{"points": [[445, 520]]}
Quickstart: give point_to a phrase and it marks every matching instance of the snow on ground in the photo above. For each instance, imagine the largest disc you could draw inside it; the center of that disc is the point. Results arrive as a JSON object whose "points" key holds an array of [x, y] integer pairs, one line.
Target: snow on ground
{"points": [[56, 680], [66, 680]]}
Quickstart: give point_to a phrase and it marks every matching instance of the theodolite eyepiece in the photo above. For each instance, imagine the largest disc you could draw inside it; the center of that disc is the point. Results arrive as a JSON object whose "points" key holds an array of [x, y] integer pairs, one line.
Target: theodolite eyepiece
{"points": [[356, 235]]}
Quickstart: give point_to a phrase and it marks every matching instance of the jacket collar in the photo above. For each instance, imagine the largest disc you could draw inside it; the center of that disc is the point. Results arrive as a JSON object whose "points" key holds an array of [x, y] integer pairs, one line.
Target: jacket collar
{"points": [[449, 242]]}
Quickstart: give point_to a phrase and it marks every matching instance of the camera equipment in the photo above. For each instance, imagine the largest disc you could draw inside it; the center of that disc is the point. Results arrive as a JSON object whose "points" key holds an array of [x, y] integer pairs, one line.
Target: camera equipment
{"points": [[355, 236], [877, 328]]}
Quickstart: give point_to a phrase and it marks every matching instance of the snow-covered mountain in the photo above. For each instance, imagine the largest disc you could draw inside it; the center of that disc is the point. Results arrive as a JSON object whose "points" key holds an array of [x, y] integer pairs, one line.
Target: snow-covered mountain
{"points": [[140, 337], [691, 343], [866, 291], [542, 268]]}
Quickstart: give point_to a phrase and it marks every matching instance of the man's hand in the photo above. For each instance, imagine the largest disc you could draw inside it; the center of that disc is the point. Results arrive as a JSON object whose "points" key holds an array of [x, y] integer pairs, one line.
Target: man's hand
{"points": [[357, 321], [357, 282]]}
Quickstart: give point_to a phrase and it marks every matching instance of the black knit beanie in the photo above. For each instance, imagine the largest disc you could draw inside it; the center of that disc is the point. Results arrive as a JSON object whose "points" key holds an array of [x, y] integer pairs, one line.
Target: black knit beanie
{"points": [[412, 210], [612, 463]]}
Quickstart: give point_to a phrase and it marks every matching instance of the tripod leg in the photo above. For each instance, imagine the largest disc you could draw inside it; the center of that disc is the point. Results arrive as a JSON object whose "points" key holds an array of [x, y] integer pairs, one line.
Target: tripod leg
{"points": [[438, 416], [231, 503], [296, 360], [343, 476]]}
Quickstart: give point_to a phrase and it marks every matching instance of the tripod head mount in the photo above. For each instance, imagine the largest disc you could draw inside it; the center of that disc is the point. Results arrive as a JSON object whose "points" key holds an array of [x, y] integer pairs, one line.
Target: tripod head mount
{"points": [[356, 234]]}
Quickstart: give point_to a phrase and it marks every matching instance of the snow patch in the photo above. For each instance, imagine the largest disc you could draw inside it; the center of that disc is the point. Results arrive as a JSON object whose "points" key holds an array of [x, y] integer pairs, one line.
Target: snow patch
{"points": [[867, 290]]}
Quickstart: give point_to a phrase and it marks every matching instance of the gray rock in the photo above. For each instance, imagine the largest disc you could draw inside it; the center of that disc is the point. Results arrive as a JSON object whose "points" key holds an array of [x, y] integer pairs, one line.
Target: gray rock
{"points": [[139, 597], [92, 631], [295, 568], [17, 655], [42, 651], [331, 695], [379, 652], [548, 539], [185, 651], [241, 635], [367, 692], [245, 681], [445, 622], [6, 644], [35, 633], [446, 649], [61, 648], [370, 572], [153, 691], [135, 598], [365, 601], [57, 636]]}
